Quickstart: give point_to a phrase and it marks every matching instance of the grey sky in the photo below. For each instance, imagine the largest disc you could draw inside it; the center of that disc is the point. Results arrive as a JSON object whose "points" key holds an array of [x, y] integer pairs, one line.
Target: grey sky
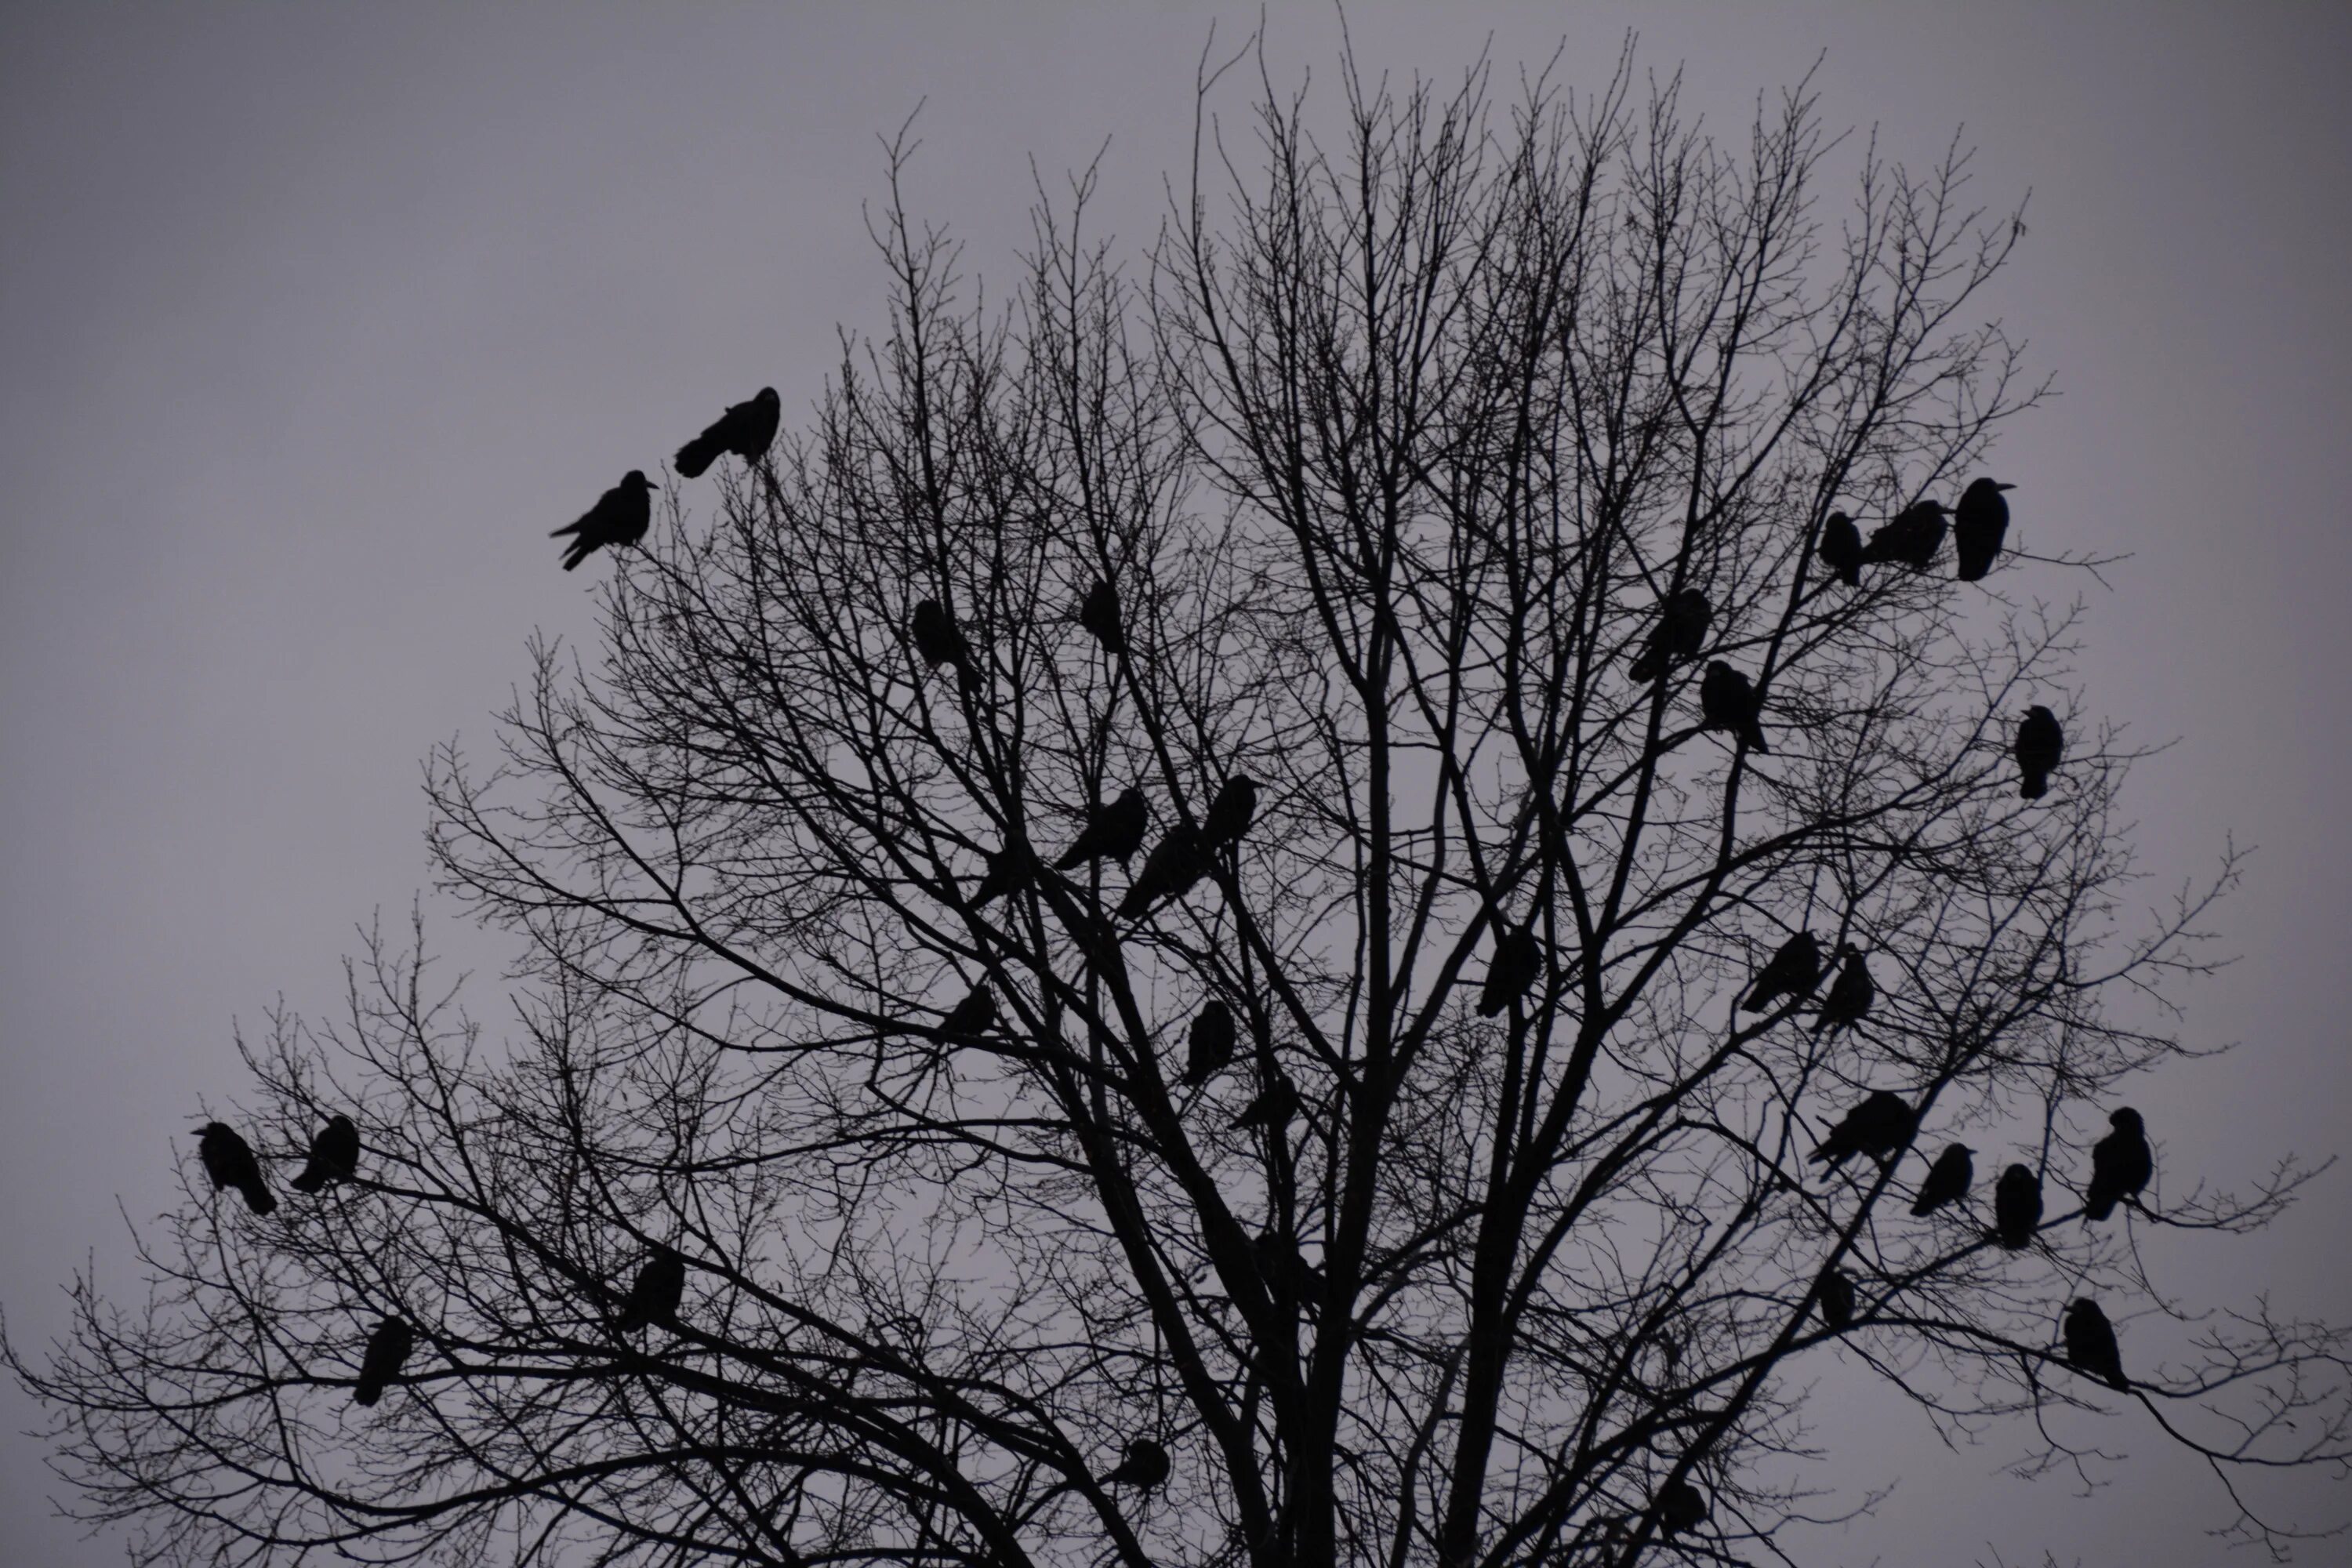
{"points": [[314, 322]]}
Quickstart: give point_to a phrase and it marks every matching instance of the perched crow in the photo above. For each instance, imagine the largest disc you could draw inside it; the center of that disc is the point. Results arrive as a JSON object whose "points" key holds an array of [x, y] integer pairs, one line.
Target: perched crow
{"points": [[1175, 863], [1877, 1127], [1099, 615], [2091, 1346], [660, 1287], [1727, 701], [1912, 538], [229, 1161], [746, 429], [620, 516], [1273, 1107], [941, 641], [1288, 1275], [1681, 628], [1230, 812], [1837, 1298], [972, 1018], [1850, 993], [334, 1156], [1948, 1180], [1144, 1467], [2121, 1165], [1113, 832], [1516, 965], [1680, 1507], [1840, 548], [1793, 973], [1009, 870], [388, 1350], [2040, 744], [1979, 523], [2017, 1208], [1211, 1043]]}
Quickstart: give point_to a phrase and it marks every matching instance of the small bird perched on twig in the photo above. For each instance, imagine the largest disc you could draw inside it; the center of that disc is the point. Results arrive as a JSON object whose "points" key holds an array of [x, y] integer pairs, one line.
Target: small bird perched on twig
{"points": [[2121, 1165], [655, 1295], [1979, 524], [2017, 1208], [746, 429], [334, 1156], [2091, 1346], [1099, 615], [1840, 548], [620, 516], [1877, 1127], [2040, 744], [387, 1351], [1681, 629], [1113, 832], [1728, 702], [1948, 1180], [228, 1160], [1911, 538], [1850, 993], [1793, 973], [1516, 965]]}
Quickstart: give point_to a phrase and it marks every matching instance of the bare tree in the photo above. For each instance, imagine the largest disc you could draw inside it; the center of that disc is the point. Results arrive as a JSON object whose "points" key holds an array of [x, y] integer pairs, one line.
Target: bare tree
{"points": [[1495, 1231]]}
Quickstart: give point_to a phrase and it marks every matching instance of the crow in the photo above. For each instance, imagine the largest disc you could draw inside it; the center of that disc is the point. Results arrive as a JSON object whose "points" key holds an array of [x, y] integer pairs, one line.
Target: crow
{"points": [[620, 516], [1979, 524], [1727, 701], [388, 1350], [1288, 1275], [1010, 869], [1948, 1180], [1273, 1107], [1680, 1507], [1211, 1042], [2091, 1346], [973, 1017], [654, 1298], [2121, 1165], [2040, 743], [1793, 973], [1144, 1467], [941, 641], [1099, 615], [2017, 1208], [1681, 627], [1840, 548], [1175, 865], [746, 429], [1877, 1127], [1837, 1298], [1912, 538], [228, 1160], [1516, 967], [334, 1156], [1230, 812], [1850, 993], [1113, 832]]}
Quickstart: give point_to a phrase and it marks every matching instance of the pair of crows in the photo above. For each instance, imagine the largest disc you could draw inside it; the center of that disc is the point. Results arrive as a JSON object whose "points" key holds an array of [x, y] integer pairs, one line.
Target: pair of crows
{"points": [[622, 514]]}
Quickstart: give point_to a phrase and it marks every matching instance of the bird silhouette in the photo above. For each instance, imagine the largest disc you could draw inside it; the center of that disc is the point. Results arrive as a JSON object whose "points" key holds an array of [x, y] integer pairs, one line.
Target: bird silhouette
{"points": [[388, 1350], [2017, 1208], [1837, 1298], [1911, 538], [973, 1017], [941, 641], [1850, 993], [1010, 869], [746, 429], [1727, 701], [1113, 832], [2121, 1165], [1680, 1507], [1175, 865], [1840, 548], [2091, 1346], [1211, 1043], [1273, 1107], [1229, 814], [1099, 615], [1680, 630], [334, 1156], [620, 516], [1948, 1180], [1516, 967], [1144, 1467], [1877, 1127], [2040, 743], [654, 1296], [228, 1160], [1979, 524], [1287, 1274], [1793, 973]]}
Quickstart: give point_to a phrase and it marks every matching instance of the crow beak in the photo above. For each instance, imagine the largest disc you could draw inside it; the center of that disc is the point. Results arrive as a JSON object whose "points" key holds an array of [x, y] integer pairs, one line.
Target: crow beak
{"points": [[2004, 487]]}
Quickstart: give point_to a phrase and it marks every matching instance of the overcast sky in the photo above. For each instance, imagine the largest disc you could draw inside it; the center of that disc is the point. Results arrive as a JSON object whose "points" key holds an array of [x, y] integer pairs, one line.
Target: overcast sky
{"points": [[313, 323]]}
